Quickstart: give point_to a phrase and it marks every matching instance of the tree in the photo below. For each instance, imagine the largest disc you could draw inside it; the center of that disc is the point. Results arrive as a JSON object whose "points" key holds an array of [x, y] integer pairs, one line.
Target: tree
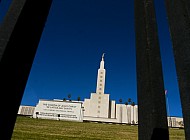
{"points": [[78, 98], [129, 100], [120, 100], [64, 99], [69, 96]]}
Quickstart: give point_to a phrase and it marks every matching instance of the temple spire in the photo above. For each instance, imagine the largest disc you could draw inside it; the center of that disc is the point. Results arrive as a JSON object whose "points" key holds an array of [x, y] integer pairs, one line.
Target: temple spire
{"points": [[102, 62], [103, 56], [101, 77]]}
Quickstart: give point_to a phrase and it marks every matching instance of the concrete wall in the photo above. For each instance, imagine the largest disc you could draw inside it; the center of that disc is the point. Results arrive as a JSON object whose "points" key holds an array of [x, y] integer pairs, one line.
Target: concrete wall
{"points": [[175, 122], [112, 109], [86, 106], [126, 114], [59, 110], [26, 110], [120, 113], [99, 105]]}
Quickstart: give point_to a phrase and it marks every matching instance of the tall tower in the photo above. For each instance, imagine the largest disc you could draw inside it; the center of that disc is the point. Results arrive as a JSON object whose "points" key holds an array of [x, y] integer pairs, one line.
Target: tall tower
{"points": [[98, 104], [101, 78]]}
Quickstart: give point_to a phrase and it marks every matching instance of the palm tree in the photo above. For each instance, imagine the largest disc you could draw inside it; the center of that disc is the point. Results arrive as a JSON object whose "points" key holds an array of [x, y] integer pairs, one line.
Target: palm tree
{"points": [[69, 96], [64, 99], [120, 100], [78, 98], [129, 100], [133, 104]]}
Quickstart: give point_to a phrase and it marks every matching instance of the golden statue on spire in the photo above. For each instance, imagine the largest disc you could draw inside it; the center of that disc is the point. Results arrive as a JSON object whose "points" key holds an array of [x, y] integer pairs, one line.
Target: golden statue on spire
{"points": [[103, 56]]}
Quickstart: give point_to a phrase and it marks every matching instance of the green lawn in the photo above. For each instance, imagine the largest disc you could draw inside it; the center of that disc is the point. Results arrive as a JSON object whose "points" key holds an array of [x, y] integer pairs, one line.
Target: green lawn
{"points": [[38, 129]]}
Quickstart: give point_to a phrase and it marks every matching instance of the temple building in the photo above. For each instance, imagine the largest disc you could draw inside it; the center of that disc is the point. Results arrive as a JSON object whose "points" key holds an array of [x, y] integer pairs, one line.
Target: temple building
{"points": [[100, 108], [99, 104]]}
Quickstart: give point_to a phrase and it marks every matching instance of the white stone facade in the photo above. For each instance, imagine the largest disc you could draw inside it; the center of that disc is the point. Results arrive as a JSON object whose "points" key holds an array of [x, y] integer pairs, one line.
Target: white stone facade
{"points": [[26, 110], [98, 104], [99, 107], [59, 110], [125, 114], [175, 122], [112, 109]]}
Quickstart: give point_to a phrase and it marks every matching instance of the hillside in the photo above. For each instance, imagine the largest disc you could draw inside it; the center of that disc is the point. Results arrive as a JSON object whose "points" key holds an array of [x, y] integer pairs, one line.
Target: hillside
{"points": [[38, 129]]}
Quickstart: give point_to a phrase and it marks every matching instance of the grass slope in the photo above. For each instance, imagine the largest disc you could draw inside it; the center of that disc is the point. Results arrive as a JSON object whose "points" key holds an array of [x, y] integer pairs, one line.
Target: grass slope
{"points": [[38, 129]]}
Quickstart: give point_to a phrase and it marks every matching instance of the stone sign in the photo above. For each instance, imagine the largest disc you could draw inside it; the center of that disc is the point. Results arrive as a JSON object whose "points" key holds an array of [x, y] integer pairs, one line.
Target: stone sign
{"points": [[59, 110]]}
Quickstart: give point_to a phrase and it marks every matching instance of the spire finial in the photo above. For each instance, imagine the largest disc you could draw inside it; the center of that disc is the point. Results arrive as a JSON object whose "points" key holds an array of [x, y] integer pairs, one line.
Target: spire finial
{"points": [[103, 56]]}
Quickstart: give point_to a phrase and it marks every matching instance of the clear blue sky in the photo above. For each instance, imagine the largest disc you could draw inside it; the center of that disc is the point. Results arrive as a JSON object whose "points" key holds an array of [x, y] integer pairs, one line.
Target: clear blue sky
{"points": [[76, 34]]}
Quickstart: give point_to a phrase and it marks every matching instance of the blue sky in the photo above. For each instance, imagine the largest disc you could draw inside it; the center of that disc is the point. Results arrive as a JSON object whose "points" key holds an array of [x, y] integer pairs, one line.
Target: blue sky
{"points": [[76, 34]]}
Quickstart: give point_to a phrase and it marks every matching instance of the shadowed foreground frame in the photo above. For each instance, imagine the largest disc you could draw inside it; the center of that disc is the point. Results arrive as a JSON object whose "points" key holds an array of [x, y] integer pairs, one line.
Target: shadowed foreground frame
{"points": [[152, 118], [20, 34]]}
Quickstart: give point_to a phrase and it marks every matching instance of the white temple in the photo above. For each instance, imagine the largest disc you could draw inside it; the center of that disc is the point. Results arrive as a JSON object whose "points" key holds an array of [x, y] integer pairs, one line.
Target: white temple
{"points": [[100, 108], [98, 104]]}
